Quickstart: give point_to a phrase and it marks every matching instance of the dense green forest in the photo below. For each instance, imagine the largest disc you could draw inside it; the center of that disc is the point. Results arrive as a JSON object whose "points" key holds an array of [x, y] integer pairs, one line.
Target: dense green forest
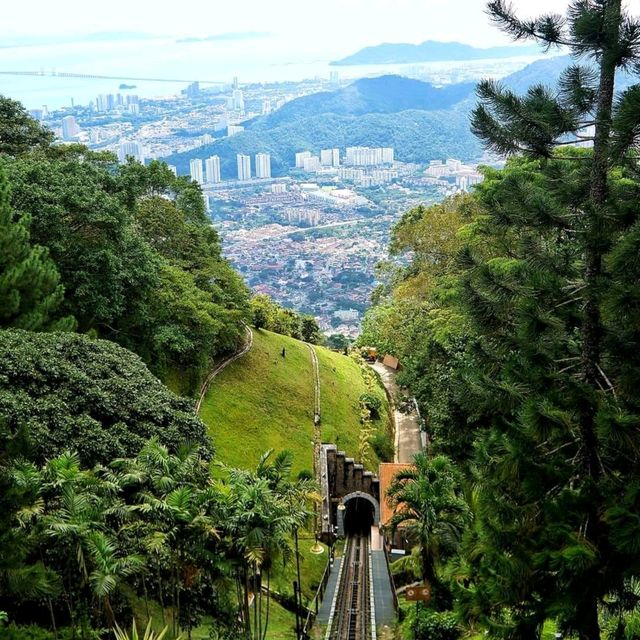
{"points": [[416, 135], [111, 502], [516, 317], [517, 322]]}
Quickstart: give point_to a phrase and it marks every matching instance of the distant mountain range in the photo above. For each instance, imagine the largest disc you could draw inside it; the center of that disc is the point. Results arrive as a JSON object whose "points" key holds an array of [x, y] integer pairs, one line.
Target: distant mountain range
{"points": [[419, 120], [547, 71], [222, 37], [384, 94], [431, 51]]}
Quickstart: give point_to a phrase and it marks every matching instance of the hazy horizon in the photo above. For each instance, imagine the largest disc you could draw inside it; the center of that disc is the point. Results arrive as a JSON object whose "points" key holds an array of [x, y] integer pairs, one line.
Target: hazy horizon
{"points": [[339, 24]]}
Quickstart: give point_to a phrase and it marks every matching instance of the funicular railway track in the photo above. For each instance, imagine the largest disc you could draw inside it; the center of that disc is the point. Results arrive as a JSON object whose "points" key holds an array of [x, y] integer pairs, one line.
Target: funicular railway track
{"points": [[352, 615]]}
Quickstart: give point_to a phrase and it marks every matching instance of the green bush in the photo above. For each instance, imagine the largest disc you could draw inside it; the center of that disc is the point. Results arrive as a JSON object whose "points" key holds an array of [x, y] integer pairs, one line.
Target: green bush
{"points": [[382, 445], [436, 625], [372, 403], [34, 632]]}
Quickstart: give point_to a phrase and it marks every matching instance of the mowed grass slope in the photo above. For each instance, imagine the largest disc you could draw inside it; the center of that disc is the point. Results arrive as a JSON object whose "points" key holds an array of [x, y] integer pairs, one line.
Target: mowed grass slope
{"points": [[263, 401], [341, 385]]}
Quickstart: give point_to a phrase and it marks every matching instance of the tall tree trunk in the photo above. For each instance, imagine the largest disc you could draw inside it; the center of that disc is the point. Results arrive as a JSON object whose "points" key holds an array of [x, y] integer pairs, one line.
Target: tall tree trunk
{"points": [[266, 621], [591, 326], [598, 193], [160, 596]]}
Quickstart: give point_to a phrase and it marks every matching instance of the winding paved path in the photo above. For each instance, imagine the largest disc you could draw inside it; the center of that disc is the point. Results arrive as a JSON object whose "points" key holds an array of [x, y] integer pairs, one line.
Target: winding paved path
{"points": [[407, 425], [223, 365], [317, 429]]}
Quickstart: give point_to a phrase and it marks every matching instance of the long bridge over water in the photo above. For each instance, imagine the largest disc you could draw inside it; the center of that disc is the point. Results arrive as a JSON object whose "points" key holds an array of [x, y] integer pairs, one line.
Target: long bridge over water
{"points": [[95, 76]]}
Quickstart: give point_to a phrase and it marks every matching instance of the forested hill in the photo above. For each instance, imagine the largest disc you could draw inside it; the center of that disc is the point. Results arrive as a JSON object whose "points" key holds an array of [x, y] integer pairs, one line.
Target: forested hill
{"points": [[384, 94], [419, 120], [111, 282]]}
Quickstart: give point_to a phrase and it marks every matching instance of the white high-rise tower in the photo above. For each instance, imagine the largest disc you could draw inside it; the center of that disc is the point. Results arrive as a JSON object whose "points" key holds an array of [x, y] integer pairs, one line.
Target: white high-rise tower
{"points": [[244, 167], [212, 166], [195, 167], [263, 165]]}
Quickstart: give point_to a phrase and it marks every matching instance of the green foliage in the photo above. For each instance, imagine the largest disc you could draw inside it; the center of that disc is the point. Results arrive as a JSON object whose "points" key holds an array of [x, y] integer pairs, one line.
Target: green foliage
{"points": [[34, 632], [372, 403], [519, 339], [30, 292], [19, 132], [148, 633], [435, 625], [122, 238], [68, 390], [432, 512], [153, 526], [338, 341], [267, 314], [382, 445]]}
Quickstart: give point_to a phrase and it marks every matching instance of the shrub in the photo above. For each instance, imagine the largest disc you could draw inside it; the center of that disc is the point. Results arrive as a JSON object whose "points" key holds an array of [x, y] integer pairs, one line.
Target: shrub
{"points": [[436, 625], [372, 403], [34, 632], [67, 390], [383, 447]]}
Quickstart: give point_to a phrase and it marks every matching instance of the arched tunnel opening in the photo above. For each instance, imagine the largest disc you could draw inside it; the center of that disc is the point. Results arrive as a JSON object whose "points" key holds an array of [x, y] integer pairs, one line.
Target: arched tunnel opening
{"points": [[358, 517]]}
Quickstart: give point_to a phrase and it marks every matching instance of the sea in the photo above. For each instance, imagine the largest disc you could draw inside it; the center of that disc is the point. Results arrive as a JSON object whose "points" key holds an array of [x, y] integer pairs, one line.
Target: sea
{"points": [[174, 64]]}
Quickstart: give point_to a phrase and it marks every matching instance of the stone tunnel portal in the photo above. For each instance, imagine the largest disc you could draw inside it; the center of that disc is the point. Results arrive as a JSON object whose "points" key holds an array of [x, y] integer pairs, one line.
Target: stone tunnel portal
{"points": [[358, 517], [361, 512]]}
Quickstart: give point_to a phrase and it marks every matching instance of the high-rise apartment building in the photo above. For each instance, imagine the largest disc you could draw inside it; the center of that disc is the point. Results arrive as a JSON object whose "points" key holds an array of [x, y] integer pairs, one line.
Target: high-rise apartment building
{"points": [[330, 157], [195, 168], [301, 157], [244, 167], [212, 166], [130, 148], [70, 128], [263, 165], [311, 164], [368, 156], [237, 98]]}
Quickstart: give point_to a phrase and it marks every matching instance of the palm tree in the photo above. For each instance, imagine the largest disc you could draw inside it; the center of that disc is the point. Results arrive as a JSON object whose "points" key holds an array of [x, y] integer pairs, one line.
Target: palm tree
{"points": [[172, 495], [262, 508], [109, 569], [430, 509]]}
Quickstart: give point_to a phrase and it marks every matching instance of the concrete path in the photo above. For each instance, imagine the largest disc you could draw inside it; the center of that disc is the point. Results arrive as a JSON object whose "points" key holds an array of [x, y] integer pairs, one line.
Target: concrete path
{"points": [[222, 365], [317, 429], [407, 425], [325, 609], [383, 598]]}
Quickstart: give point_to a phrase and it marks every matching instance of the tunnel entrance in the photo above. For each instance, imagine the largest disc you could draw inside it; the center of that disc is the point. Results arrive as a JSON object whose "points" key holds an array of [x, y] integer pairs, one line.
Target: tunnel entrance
{"points": [[358, 517]]}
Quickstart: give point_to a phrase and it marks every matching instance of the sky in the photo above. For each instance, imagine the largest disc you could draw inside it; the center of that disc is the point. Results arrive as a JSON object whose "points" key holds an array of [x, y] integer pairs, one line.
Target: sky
{"points": [[349, 24]]}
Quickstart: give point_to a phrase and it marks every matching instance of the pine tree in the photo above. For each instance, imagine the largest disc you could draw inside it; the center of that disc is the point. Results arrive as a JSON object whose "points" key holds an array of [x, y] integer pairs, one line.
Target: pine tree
{"points": [[30, 291], [557, 312]]}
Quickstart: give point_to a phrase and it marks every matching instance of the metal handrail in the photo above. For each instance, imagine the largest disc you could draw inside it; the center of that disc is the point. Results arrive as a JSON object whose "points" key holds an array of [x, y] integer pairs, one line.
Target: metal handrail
{"points": [[314, 605]]}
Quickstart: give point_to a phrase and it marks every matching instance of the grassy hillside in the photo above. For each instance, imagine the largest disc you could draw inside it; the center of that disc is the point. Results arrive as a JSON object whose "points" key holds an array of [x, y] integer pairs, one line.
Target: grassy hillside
{"points": [[341, 385], [265, 401]]}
